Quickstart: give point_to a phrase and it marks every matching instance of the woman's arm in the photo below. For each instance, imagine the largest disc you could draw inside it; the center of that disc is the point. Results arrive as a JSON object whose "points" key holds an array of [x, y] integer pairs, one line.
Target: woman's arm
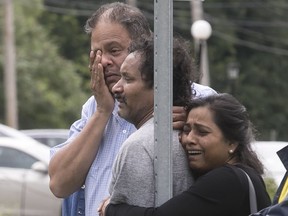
{"points": [[124, 209], [219, 192]]}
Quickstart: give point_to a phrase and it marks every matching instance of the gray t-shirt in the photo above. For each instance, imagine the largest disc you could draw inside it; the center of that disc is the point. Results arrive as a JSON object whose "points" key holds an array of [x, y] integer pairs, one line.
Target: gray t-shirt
{"points": [[133, 179]]}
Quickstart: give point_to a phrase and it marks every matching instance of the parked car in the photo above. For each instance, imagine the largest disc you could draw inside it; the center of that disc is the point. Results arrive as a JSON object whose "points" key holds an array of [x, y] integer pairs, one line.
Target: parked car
{"points": [[267, 153], [24, 179], [49, 137], [6, 131]]}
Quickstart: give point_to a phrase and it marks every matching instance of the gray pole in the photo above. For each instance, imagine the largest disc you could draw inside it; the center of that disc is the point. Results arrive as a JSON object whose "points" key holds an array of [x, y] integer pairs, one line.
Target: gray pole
{"points": [[200, 46], [132, 2], [163, 34], [10, 86], [196, 10]]}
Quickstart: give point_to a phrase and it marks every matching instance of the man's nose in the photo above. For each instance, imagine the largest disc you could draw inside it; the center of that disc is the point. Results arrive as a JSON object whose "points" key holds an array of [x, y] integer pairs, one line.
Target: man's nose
{"points": [[117, 88], [106, 59]]}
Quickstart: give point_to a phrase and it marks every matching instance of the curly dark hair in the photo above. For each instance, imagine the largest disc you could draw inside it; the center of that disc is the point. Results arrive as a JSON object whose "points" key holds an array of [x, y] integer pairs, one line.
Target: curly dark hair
{"points": [[183, 68], [184, 72]]}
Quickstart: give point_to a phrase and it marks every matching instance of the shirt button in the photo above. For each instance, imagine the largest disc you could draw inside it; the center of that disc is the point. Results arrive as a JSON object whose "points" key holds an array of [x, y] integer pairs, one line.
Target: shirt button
{"points": [[124, 131], [83, 187]]}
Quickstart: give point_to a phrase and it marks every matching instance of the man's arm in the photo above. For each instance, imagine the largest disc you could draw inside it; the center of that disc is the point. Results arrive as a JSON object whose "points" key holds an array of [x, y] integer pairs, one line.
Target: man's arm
{"points": [[69, 166]]}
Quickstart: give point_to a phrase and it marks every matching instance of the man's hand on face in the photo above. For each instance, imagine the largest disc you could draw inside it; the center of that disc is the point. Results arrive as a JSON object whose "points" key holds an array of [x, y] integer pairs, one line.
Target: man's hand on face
{"points": [[104, 98]]}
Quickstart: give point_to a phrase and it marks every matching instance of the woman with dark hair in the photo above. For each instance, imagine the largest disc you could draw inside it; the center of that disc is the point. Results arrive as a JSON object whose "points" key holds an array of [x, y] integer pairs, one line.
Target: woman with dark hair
{"points": [[216, 137]]}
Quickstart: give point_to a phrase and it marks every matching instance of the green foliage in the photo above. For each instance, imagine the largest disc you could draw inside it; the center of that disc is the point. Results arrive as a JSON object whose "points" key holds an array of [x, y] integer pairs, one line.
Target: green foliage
{"points": [[254, 35], [67, 32], [271, 187], [49, 88], [250, 33]]}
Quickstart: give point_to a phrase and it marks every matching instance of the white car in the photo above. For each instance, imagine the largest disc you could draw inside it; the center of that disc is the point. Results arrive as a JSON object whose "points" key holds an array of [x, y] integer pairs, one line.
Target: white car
{"points": [[49, 137], [6, 131], [24, 180], [267, 153]]}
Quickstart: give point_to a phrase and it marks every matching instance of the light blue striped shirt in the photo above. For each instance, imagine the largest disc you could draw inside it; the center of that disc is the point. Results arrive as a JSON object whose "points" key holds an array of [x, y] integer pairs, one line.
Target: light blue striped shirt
{"points": [[98, 179]]}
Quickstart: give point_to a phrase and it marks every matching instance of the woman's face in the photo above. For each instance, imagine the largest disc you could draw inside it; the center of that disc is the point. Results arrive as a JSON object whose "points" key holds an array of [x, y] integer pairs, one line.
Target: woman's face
{"points": [[205, 145]]}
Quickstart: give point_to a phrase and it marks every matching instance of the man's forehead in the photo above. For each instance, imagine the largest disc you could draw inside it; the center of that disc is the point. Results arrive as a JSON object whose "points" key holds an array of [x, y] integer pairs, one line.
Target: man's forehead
{"points": [[131, 62], [134, 58], [110, 37]]}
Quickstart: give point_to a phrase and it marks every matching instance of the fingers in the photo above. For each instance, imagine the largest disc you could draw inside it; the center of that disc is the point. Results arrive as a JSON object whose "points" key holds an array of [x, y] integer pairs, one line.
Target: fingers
{"points": [[96, 69], [178, 109], [179, 114], [178, 125], [94, 59], [97, 77], [101, 209], [91, 59], [179, 117]]}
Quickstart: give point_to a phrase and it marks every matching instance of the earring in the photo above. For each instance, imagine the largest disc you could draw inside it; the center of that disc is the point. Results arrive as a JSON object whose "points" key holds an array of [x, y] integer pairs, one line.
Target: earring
{"points": [[231, 151]]}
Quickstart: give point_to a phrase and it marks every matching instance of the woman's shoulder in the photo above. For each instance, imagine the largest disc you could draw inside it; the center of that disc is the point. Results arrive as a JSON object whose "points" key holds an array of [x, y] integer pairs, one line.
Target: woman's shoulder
{"points": [[225, 170], [222, 185], [229, 175], [233, 177], [238, 171], [222, 176]]}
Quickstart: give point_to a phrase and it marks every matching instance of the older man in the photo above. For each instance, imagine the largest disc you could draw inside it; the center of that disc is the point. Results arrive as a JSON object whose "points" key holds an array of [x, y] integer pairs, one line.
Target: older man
{"points": [[133, 179], [87, 156]]}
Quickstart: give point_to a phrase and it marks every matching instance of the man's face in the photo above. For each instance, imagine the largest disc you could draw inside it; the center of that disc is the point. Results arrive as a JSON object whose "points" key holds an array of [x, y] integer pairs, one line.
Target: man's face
{"points": [[135, 99], [113, 40]]}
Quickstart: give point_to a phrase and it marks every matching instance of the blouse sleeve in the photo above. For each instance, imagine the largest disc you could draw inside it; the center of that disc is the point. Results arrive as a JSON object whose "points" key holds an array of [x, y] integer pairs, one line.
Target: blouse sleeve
{"points": [[219, 192]]}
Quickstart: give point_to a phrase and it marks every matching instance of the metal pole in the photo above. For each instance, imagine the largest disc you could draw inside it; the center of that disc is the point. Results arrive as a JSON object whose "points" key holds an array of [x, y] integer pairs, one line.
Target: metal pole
{"points": [[132, 2], [163, 35], [200, 46], [10, 86], [196, 10], [204, 68]]}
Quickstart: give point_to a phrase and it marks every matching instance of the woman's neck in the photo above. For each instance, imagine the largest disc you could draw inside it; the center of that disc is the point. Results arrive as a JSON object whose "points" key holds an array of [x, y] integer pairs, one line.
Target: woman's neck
{"points": [[232, 160]]}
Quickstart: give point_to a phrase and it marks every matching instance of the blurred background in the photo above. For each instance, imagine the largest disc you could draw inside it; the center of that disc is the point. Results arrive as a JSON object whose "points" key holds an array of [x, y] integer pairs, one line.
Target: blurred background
{"points": [[247, 56], [44, 80]]}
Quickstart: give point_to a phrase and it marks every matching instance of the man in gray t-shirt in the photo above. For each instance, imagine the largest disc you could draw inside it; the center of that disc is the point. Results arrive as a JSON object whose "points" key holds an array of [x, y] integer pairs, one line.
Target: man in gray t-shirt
{"points": [[133, 176]]}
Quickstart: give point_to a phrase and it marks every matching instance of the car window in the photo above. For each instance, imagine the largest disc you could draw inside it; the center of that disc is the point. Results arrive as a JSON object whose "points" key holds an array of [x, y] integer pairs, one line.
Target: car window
{"points": [[51, 142], [14, 158]]}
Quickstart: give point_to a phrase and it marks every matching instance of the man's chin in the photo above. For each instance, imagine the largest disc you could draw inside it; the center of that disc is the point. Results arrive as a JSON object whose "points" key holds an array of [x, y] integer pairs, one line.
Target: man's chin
{"points": [[122, 114]]}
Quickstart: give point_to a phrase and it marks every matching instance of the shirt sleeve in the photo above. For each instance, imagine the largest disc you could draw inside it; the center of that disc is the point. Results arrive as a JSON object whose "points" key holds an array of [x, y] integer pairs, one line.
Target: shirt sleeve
{"points": [[201, 91], [87, 110]]}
